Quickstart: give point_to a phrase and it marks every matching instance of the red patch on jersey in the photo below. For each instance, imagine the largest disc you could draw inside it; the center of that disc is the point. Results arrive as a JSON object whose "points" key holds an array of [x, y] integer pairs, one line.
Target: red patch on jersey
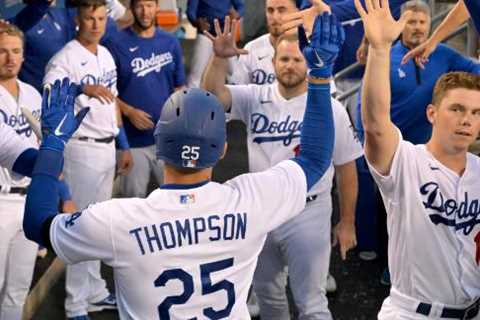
{"points": [[296, 150], [477, 242]]}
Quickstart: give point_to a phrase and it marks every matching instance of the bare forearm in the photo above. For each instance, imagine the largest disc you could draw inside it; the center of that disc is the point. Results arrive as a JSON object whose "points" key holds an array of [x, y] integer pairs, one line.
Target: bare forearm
{"points": [[381, 137], [123, 107], [455, 18], [213, 80], [376, 89], [347, 182]]}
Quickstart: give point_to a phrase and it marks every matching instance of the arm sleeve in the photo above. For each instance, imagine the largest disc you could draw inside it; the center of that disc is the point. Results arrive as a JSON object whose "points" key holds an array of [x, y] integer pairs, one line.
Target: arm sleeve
{"points": [[57, 68], [402, 162], [115, 9], [83, 236], [345, 10], [347, 145], [239, 72], [192, 7], [242, 100], [317, 136], [239, 6], [179, 65], [15, 151], [30, 15], [459, 62], [261, 191]]}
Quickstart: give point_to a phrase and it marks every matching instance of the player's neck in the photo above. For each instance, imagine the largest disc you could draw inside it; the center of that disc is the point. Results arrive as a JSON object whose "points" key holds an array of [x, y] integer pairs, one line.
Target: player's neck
{"points": [[89, 45], [454, 160], [143, 33], [272, 39], [11, 86], [174, 176], [292, 92]]}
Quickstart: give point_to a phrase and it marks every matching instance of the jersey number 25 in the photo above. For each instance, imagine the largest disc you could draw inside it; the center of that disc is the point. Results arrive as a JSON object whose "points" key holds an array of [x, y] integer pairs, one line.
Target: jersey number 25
{"points": [[206, 270]]}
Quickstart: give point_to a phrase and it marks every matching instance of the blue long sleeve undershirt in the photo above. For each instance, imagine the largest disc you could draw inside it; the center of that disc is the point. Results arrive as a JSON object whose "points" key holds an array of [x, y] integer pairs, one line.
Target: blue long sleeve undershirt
{"points": [[316, 157]]}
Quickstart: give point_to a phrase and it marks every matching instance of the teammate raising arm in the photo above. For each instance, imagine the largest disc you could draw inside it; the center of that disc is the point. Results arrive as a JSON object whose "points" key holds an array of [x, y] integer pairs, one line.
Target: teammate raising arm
{"points": [[190, 248], [455, 18], [431, 192]]}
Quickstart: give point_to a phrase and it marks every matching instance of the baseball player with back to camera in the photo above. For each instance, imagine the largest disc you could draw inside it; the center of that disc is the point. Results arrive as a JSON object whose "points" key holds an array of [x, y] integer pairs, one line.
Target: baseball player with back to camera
{"points": [[187, 251], [18, 151], [273, 115], [90, 155], [431, 191]]}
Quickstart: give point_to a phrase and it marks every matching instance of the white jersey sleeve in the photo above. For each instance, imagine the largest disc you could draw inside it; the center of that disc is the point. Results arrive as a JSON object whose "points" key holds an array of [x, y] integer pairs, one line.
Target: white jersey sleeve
{"points": [[278, 193], [244, 98], [399, 168], [57, 68], [83, 236], [347, 145], [115, 9], [11, 146]]}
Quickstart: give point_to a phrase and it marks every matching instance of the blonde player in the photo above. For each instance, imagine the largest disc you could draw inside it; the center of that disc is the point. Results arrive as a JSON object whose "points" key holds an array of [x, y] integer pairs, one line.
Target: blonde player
{"points": [[187, 251], [431, 192], [17, 254]]}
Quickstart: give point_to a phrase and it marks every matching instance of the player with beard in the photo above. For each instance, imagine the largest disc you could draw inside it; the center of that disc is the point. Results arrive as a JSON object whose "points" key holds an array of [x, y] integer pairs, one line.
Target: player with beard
{"points": [[273, 116], [149, 69]]}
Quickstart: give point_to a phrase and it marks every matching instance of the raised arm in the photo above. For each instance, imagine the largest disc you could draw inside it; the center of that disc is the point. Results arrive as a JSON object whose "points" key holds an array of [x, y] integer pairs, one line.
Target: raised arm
{"points": [[381, 136], [31, 14], [317, 137], [58, 125], [455, 18], [215, 73]]}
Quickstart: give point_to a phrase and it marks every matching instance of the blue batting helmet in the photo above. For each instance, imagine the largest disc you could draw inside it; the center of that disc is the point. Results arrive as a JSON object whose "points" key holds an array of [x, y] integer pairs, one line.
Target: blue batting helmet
{"points": [[191, 130]]}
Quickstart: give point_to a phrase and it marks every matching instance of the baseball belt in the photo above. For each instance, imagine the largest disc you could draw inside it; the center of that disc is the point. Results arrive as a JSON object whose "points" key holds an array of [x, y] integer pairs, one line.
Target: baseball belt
{"points": [[311, 198], [451, 313], [17, 190], [99, 140]]}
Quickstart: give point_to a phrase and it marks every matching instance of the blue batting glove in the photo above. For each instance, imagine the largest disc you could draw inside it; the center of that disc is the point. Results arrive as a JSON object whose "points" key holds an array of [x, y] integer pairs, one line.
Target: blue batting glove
{"points": [[322, 48], [58, 119]]}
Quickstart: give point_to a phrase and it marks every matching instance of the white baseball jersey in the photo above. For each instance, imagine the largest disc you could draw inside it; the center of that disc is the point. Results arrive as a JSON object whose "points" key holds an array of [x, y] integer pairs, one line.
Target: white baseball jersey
{"points": [[433, 218], [184, 253], [14, 142], [274, 125], [256, 67], [82, 66], [115, 9]]}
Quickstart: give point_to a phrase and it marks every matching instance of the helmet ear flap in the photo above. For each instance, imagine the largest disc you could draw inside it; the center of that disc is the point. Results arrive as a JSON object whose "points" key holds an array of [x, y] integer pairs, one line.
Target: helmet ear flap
{"points": [[191, 130]]}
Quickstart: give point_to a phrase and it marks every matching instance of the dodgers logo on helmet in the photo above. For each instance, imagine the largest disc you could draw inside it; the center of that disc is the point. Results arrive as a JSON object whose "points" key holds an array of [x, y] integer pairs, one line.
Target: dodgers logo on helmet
{"points": [[191, 130]]}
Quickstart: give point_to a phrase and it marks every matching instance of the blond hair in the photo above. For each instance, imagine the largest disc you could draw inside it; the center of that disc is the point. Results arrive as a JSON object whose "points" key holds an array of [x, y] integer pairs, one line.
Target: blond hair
{"points": [[11, 30], [454, 80]]}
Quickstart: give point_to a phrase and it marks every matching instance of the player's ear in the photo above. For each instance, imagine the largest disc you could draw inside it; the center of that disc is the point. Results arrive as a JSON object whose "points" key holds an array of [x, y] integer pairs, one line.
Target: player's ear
{"points": [[431, 113], [225, 147]]}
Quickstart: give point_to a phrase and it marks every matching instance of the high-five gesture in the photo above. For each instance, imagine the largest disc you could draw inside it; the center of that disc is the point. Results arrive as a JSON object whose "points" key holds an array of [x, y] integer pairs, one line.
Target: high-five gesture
{"points": [[325, 42], [306, 17], [224, 45], [381, 29], [58, 119]]}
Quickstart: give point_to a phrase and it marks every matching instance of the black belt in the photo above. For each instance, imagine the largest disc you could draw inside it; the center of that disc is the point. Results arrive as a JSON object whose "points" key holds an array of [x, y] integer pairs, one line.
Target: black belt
{"points": [[311, 198], [100, 140], [18, 190], [450, 313]]}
